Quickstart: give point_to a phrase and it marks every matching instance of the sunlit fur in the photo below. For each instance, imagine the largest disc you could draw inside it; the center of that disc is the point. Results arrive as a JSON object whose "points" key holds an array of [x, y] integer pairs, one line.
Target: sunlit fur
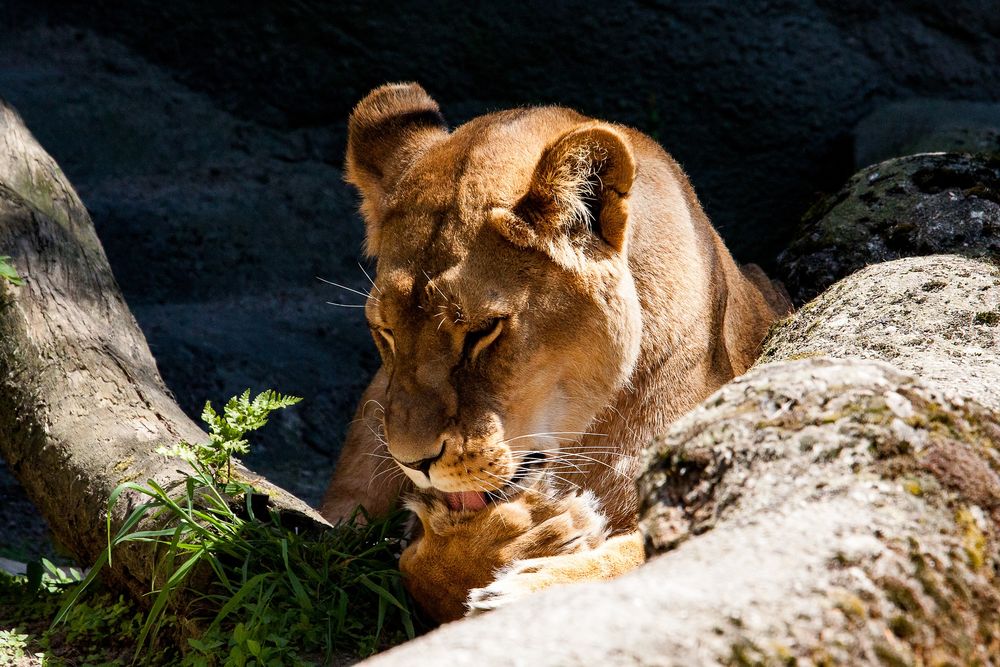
{"points": [[621, 308], [537, 523]]}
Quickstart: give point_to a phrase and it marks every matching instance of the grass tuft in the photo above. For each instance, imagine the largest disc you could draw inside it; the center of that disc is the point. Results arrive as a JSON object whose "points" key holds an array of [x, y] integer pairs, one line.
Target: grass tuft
{"points": [[251, 589], [100, 630]]}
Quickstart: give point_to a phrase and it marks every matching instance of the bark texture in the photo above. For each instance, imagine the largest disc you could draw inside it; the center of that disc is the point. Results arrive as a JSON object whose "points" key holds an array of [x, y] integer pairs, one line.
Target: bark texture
{"points": [[82, 405], [815, 511]]}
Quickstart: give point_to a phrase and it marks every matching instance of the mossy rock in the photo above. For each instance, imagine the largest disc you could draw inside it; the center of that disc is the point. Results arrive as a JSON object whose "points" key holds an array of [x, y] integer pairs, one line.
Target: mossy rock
{"points": [[934, 203]]}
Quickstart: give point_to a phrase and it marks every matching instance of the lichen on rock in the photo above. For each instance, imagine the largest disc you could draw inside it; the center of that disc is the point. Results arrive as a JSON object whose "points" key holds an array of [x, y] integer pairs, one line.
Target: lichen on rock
{"points": [[930, 316], [819, 459]]}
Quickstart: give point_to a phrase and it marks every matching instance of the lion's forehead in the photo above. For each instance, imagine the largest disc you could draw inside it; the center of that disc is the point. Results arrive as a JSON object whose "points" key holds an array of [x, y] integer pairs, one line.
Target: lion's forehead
{"points": [[441, 252], [460, 294], [493, 155], [419, 238], [441, 203]]}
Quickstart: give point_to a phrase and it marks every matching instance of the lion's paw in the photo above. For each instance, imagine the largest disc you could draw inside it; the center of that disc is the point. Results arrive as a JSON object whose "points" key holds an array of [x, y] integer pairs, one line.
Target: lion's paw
{"points": [[518, 581]]}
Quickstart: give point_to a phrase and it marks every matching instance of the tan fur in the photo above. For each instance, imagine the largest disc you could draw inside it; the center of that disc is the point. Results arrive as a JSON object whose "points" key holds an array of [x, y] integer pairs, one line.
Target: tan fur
{"points": [[439, 571], [620, 308]]}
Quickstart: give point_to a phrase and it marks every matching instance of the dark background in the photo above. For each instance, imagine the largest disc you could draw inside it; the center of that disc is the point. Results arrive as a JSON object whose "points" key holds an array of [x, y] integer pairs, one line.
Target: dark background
{"points": [[207, 138]]}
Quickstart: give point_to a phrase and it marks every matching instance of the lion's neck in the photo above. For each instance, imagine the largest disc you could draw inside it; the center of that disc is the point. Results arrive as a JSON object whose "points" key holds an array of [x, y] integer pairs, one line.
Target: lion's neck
{"points": [[687, 290]]}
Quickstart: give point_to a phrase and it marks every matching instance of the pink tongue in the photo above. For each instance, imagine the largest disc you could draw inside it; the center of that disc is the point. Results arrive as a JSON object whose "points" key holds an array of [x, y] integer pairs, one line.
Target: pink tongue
{"points": [[466, 500]]}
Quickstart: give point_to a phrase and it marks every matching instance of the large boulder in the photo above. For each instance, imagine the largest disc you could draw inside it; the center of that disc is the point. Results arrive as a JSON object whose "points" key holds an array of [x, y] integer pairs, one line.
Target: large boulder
{"points": [[827, 511], [848, 513], [915, 205]]}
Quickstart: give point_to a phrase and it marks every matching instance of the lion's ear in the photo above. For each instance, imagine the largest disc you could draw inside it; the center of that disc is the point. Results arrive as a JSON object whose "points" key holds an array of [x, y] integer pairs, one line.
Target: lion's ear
{"points": [[388, 128], [580, 186]]}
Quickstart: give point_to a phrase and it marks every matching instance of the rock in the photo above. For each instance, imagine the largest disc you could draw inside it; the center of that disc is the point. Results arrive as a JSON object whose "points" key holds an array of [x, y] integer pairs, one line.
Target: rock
{"points": [[757, 99], [857, 483], [826, 511], [908, 127], [915, 205], [937, 318]]}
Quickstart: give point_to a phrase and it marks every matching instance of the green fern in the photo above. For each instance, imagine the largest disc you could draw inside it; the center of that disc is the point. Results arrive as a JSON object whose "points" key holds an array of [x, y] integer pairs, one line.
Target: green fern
{"points": [[226, 431]]}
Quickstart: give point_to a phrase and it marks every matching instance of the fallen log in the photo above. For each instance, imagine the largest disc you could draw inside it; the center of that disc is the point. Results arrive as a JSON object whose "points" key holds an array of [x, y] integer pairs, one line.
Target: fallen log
{"points": [[82, 405]]}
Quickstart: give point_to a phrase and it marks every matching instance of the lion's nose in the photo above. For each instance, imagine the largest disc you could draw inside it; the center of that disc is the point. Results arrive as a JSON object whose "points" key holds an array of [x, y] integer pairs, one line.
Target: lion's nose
{"points": [[423, 465]]}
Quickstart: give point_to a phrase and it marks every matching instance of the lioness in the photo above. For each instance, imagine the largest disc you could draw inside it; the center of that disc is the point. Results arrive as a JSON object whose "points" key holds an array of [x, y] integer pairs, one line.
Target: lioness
{"points": [[549, 295]]}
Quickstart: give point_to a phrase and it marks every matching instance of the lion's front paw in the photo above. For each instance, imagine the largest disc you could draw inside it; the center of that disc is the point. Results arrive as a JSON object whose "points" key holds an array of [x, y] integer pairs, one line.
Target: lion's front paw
{"points": [[609, 559], [515, 582]]}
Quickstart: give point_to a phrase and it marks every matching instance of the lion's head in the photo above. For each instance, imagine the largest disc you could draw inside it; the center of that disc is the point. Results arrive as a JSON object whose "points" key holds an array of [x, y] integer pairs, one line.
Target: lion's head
{"points": [[503, 306]]}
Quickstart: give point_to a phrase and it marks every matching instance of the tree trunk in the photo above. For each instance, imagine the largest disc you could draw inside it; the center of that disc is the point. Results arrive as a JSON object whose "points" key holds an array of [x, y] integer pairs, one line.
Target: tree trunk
{"points": [[82, 405]]}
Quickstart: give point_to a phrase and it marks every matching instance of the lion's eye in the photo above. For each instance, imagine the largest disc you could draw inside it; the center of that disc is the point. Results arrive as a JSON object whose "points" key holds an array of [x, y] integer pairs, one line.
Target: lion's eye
{"points": [[483, 336], [386, 335]]}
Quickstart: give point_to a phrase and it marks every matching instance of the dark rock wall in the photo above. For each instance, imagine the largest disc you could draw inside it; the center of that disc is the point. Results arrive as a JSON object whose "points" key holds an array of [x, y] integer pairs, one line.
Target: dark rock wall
{"points": [[904, 207], [755, 98]]}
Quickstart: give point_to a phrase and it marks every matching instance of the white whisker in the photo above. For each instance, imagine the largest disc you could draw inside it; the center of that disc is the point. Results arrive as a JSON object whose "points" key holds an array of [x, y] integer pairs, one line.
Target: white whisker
{"points": [[606, 465], [555, 464], [551, 433], [559, 478], [575, 450], [436, 288], [366, 295], [515, 485], [369, 278], [392, 477]]}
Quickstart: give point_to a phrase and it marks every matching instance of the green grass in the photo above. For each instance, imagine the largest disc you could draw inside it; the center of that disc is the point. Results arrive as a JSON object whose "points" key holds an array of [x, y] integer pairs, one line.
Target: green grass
{"points": [[251, 590], [348, 577], [100, 630]]}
